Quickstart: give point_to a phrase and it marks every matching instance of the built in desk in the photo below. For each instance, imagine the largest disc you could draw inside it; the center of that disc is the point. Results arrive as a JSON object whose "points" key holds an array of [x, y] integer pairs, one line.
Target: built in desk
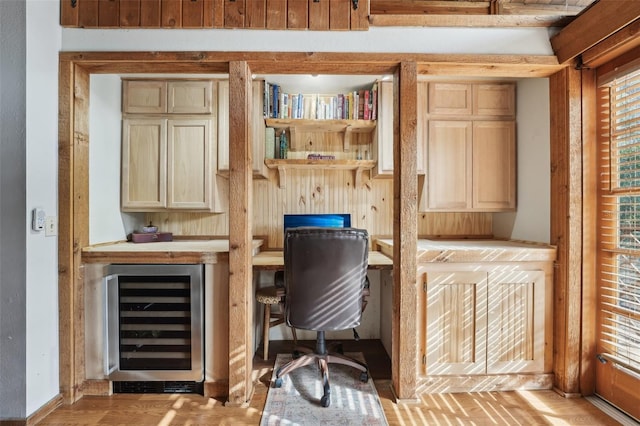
{"points": [[274, 260]]}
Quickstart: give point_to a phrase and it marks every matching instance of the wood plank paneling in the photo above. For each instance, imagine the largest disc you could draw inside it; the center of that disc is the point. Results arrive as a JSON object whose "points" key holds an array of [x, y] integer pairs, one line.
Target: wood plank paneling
{"points": [[339, 14], [256, 16], [297, 14], [150, 15], [360, 16], [130, 13], [218, 13], [234, 13], [193, 13], [208, 18], [318, 15], [109, 13], [276, 14], [88, 13], [69, 13], [171, 13]]}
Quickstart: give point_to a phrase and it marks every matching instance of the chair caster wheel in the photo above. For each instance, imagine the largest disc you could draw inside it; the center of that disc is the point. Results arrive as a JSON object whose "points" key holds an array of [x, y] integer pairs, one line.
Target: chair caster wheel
{"points": [[296, 355], [325, 400], [364, 377], [278, 382]]}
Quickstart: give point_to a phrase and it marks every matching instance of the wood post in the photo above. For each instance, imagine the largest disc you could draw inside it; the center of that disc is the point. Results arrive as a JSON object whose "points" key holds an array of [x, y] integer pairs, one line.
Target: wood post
{"points": [[240, 233]]}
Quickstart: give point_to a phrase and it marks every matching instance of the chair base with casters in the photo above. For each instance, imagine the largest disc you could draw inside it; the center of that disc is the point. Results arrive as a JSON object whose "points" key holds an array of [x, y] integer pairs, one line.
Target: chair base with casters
{"points": [[323, 357]]}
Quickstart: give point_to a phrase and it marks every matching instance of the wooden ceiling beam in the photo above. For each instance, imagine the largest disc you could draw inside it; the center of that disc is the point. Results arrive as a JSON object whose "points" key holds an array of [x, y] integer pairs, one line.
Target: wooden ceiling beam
{"points": [[516, 66], [469, 21], [595, 24]]}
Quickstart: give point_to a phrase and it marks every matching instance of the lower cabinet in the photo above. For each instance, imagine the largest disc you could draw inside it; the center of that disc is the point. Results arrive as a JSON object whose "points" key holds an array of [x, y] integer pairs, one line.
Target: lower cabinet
{"points": [[484, 320]]}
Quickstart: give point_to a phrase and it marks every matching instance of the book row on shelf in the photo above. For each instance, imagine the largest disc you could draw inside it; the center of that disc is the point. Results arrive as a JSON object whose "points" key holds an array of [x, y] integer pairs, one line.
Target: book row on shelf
{"points": [[359, 104]]}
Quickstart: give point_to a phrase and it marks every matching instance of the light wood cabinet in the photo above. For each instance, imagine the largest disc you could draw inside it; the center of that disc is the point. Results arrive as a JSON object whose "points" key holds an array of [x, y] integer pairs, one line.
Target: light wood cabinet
{"points": [[257, 129], [167, 164], [168, 146], [450, 98], [383, 142], [484, 322], [172, 97], [471, 150]]}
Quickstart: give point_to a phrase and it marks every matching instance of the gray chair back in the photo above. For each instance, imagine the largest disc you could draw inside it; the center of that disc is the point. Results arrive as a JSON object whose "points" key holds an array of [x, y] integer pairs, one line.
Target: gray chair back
{"points": [[325, 270]]}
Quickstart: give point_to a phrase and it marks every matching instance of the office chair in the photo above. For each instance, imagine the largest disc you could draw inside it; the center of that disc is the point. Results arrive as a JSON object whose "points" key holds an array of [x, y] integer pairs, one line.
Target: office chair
{"points": [[325, 277]]}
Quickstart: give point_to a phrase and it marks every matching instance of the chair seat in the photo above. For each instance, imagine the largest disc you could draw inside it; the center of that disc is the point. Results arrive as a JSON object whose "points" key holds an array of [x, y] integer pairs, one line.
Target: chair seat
{"points": [[269, 295]]}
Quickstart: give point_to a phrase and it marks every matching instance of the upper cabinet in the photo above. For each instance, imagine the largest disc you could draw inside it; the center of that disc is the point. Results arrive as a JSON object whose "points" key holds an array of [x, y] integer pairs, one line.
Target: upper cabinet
{"points": [[168, 146], [172, 97], [257, 128], [470, 147]]}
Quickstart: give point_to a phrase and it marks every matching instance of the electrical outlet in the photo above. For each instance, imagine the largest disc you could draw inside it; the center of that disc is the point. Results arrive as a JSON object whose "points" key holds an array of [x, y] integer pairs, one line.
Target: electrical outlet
{"points": [[51, 226]]}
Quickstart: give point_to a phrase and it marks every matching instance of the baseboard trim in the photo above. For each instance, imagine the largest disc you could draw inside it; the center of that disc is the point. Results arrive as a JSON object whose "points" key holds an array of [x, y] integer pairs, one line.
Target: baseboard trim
{"points": [[484, 383]]}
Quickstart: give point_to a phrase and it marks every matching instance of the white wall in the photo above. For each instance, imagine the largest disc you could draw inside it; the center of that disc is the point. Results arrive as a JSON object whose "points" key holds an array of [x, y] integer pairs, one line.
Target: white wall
{"points": [[531, 221], [43, 43], [106, 223]]}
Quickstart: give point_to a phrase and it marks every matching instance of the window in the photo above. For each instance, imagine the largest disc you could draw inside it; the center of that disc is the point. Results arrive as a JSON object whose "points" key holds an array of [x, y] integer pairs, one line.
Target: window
{"points": [[619, 222]]}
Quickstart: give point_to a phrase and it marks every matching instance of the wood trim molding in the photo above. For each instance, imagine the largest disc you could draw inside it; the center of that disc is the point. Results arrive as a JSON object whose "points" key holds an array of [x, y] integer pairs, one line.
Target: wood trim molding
{"points": [[468, 21]]}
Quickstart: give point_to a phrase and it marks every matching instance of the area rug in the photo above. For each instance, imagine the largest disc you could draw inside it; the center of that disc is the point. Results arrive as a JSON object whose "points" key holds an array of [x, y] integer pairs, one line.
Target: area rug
{"points": [[297, 402]]}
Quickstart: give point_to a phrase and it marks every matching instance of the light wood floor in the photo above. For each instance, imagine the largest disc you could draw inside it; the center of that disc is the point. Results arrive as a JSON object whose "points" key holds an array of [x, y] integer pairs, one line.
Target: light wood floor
{"points": [[487, 408]]}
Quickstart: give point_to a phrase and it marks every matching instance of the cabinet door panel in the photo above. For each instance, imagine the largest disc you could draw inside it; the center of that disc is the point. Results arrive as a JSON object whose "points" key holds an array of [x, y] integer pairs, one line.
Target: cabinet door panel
{"points": [[449, 159], [515, 322], [423, 126], [450, 98], [190, 97], [223, 125], [383, 143], [144, 96], [494, 159], [456, 323], [189, 164], [144, 147], [494, 99]]}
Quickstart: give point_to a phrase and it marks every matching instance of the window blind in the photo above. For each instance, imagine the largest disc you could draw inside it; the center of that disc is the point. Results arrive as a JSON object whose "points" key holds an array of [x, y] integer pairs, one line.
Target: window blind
{"points": [[619, 219]]}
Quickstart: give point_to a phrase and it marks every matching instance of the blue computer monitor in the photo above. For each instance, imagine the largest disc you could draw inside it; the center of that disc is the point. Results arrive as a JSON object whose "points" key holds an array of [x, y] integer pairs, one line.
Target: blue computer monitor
{"points": [[332, 220]]}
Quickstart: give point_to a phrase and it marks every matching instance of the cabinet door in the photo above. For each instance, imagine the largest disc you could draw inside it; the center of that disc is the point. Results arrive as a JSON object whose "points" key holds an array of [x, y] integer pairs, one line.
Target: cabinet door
{"points": [[257, 128], [423, 126], [448, 181], [450, 98], [144, 171], [189, 171], [456, 323], [147, 97], [494, 99], [516, 327], [223, 126], [383, 143], [494, 171], [189, 97]]}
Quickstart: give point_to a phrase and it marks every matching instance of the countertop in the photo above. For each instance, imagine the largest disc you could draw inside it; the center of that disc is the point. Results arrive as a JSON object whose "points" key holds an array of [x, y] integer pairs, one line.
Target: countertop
{"points": [[476, 250], [274, 260], [177, 251]]}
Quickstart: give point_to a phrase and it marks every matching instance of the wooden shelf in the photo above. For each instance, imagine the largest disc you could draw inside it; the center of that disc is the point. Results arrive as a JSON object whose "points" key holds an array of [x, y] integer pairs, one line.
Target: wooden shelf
{"points": [[298, 125], [283, 164]]}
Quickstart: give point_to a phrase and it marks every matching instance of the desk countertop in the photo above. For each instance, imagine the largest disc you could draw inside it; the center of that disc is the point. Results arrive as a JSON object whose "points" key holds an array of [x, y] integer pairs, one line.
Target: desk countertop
{"points": [[476, 250], [274, 260], [178, 251]]}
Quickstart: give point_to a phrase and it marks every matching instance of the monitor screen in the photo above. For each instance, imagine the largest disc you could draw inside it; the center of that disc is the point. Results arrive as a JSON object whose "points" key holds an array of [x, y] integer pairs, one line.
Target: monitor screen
{"points": [[332, 220]]}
